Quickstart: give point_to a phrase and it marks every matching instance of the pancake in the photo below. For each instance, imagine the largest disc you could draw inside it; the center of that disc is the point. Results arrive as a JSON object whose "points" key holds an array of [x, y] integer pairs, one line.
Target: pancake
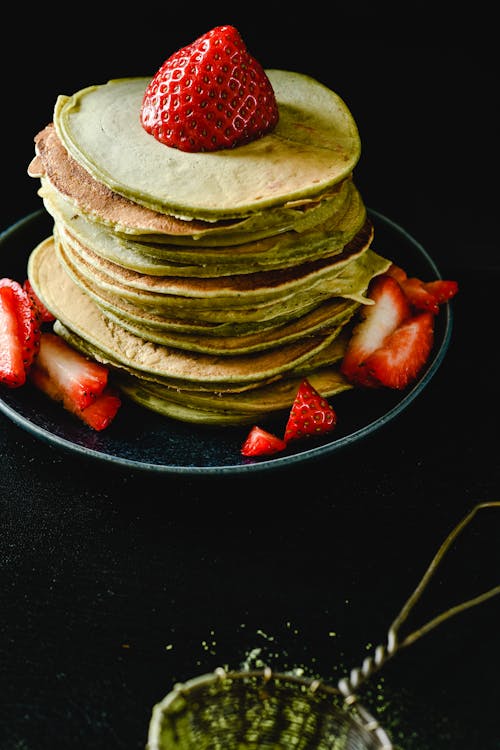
{"points": [[314, 146], [350, 283], [283, 250], [332, 314], [118, 347], [204, 317], [100, 204], [237, 290], [227, 408], [236, 406]]}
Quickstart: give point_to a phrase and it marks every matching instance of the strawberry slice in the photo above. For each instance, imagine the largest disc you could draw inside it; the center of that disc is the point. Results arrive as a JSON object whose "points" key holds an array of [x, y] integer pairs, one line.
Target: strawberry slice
{"points": [[311, 414], [397, 272], [28, 321], [399, 360], [424, 295], [419, 296], [428, 295], [12, 370], [44, 314], [100, 412], [210, 95], [377, 322], [66, 374], [442, 289], [260, 442]]}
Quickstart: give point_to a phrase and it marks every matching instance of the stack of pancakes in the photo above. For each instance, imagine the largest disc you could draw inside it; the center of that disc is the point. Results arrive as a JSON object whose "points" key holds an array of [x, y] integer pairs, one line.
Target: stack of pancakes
{"points": [[210, 283]]}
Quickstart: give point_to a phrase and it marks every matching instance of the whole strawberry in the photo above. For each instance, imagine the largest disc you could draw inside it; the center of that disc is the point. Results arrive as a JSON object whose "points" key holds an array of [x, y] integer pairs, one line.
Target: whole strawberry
{"points": [[210, 95]]}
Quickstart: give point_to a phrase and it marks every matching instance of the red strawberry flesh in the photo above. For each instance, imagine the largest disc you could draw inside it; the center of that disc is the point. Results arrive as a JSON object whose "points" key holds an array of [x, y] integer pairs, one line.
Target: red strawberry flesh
{"points": [[12, 370], [28, 321], [442, 289], [74, 379], [102, 411], [45, 315], [260, 442], [98, 415], [389, 309], [419, 296], [400, 359]]}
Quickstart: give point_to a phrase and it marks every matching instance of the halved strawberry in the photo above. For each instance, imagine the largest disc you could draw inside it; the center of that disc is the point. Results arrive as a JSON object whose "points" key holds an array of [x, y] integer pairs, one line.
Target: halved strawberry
{"points": [[260, 442], [70, 376], [12, 370], [311, 414], [403, 354], [210, 95], [28, 321], [45, 315], [389, 309]]}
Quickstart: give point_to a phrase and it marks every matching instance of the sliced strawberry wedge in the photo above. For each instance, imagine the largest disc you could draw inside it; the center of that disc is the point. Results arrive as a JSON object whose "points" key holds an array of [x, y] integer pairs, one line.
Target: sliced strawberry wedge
{"points": [[101, 413], [311, 414], [397, 272], [424, 295], [74, 379], [442, 289], [260, 442], [45, 315], [419, 297], [28, 319], [399, 360], [389, 309], [12, 370], [80, 384], [98, 415]]}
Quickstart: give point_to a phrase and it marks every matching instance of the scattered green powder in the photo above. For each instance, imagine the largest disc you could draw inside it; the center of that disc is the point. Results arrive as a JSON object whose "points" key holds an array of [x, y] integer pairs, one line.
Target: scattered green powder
{"points": [[393, 710]]}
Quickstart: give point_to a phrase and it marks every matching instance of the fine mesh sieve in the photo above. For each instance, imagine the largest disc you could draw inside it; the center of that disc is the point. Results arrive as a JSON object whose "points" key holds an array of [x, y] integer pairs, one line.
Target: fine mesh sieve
{"points": [[263, 710]]}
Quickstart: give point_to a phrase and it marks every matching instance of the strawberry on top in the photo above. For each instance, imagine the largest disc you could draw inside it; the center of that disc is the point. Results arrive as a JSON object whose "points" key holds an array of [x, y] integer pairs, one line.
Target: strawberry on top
{"points": [[210, 95]]}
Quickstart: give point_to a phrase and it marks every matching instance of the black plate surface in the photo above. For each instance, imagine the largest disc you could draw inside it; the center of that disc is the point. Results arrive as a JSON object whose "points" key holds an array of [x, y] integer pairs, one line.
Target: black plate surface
{"points": [[143, 440]]}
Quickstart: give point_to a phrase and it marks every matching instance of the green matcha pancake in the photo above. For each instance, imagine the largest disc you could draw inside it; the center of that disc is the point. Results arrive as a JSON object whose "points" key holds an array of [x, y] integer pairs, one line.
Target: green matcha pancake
{"points": [[100, 204], [314, 146], [282, 250], [115, 345]]}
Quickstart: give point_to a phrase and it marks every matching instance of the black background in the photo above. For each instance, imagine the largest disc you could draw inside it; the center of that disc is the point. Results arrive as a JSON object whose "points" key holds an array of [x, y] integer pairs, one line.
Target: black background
{"points": [[115, 584]]}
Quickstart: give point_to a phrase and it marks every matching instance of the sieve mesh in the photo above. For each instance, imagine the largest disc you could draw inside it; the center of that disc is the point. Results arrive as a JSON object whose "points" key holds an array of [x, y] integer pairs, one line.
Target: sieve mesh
{"points": [[261, 711]]}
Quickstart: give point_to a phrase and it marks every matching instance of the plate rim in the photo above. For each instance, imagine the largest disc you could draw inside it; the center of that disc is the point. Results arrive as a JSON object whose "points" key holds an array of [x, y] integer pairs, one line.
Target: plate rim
{"points": [[259, 464]]}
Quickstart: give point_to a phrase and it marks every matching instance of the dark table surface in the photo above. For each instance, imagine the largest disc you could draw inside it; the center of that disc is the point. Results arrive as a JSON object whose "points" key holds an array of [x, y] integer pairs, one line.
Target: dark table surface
{"points": [[115, 583]]}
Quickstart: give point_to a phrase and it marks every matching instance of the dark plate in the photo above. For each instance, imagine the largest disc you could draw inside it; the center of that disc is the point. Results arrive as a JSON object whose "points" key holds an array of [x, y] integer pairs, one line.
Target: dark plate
{"points": [[139, 439]]}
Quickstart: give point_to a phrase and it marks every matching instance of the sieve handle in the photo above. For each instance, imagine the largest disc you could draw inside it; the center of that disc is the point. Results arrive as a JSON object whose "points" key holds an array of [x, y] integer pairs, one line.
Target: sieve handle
{"points": [[372, 664]]}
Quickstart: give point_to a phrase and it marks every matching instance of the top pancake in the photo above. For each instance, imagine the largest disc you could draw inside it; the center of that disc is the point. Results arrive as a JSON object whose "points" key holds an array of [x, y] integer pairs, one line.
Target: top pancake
{"points": [[315, 146], [102, 206]]}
